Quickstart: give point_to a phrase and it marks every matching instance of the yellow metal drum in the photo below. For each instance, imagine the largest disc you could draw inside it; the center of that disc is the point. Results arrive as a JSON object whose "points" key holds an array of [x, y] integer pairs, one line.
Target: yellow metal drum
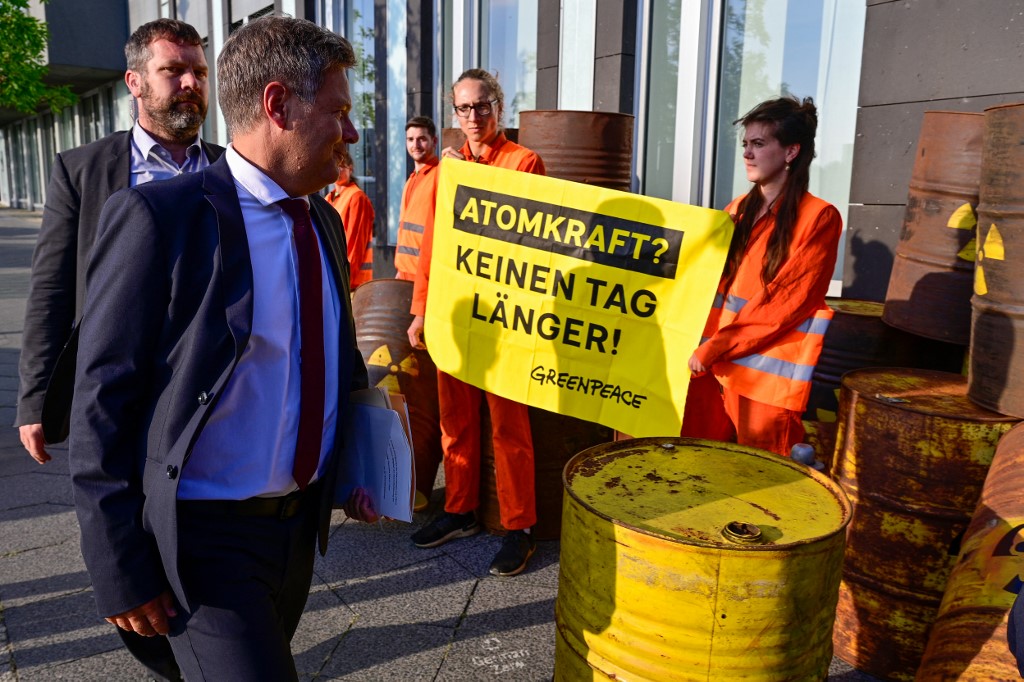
{"points": [[686, 559], [912, 453], [968, 639]]}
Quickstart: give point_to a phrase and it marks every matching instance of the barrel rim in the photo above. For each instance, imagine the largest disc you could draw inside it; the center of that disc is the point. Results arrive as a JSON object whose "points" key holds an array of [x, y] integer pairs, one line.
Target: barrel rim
{"points": [[837, 492], [596, 114], [1005, 105], [950, 111]]}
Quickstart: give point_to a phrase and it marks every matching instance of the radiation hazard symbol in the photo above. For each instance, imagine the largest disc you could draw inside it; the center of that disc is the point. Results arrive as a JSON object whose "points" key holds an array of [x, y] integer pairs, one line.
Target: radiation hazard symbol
{"points": [[964, 218], [991, 249], [382, 358]]}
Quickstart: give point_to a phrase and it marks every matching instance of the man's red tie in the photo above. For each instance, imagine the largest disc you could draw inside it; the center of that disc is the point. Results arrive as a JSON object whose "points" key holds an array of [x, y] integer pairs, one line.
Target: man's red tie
{"points": [[311, 354]]}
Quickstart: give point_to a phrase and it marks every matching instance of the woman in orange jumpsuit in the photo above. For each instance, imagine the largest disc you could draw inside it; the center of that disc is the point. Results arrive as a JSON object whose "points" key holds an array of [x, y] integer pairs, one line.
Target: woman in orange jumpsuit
{"points": [[478, 103], [752, 370], [356, 213]]}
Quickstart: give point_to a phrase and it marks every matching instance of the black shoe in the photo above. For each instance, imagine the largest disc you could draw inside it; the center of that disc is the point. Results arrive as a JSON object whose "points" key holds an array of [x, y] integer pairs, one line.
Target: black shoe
{"points": [[516, 549], [446, 527]]}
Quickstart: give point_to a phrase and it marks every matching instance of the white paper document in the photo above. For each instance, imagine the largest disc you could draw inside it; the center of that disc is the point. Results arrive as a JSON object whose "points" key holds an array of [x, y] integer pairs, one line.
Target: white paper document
{"points": [[378, 456]]}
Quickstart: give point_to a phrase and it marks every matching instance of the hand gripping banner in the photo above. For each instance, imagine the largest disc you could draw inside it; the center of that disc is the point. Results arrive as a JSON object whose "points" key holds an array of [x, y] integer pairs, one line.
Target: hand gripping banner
{"points": [[575, 299]]}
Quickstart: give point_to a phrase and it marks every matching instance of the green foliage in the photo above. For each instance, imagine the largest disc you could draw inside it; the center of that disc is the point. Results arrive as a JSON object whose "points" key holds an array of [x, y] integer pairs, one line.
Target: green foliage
{"points": [[22, 68]]}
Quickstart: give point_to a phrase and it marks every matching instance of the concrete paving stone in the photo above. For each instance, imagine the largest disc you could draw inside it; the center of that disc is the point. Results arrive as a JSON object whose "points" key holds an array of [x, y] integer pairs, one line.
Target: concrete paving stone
{"points": [[45, 573], [108, 666], [16, 255], [15, 460], [35, 489], [361, 549], [47, 632], [508, 633], [410, 652], [28, 528], [323, 623], [12, 320], [12, 283], [476, 553], [434, 592]]}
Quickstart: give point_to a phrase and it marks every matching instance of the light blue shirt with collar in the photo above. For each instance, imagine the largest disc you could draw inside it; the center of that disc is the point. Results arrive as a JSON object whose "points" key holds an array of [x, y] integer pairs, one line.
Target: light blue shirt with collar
{"points": [[152, 162], [247, 447]]}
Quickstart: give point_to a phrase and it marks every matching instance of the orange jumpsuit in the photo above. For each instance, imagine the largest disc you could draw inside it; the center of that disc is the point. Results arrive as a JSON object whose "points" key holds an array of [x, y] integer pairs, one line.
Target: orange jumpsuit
{"points": [[418, 201], [356, 213], [460, 402], [761, 343]]}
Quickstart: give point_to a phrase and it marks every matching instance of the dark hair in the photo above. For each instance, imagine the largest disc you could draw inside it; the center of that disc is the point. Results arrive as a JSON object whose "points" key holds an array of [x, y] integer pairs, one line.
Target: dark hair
{"points": [[790, 121], [422, 122], [492, 85], [136, 51], [295, 52], [348, 162]]}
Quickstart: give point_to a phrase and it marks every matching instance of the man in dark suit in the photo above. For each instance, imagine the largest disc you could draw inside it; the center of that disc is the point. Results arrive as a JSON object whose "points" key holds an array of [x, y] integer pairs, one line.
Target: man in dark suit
{"points": [[216, 354], [167, 75]]}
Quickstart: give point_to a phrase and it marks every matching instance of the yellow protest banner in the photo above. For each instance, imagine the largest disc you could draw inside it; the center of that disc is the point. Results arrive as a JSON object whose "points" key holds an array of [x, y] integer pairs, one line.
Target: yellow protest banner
{"points": [[575, 299]]}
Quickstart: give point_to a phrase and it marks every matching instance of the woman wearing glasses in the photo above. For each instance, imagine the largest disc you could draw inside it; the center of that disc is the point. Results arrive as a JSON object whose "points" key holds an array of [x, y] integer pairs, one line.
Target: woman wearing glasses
{"points": [[478, 104], [752, 371]]}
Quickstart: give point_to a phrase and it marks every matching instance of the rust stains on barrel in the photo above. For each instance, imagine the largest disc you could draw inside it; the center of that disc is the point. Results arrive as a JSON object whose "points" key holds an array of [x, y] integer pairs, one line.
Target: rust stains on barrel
{"points": [[997, 342], [930, 285], [592, 147], [687, 559], [968, 640], [858, 338], [912, 454]]}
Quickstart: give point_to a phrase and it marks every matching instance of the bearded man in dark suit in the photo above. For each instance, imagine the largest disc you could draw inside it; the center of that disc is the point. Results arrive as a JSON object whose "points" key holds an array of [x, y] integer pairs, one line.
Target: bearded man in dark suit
{"points": [[216, 355], [167, 75]]}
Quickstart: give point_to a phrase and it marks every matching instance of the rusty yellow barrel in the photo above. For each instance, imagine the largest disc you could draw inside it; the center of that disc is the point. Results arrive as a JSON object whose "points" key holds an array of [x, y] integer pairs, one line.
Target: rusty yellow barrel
{"points": [[592, 147], [858, 338], [912, 453], [997, 321], [968, 639], [381, 311], [687, 559], [930, 286]]}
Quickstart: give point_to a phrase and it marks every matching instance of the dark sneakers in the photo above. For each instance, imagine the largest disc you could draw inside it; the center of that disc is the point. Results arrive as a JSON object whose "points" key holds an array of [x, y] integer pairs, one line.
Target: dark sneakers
{"points": [[446, 527], [516, 549]]}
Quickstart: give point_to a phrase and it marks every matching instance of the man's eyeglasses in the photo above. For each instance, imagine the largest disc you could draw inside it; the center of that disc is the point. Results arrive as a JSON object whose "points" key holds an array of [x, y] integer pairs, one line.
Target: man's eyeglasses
{"points": [[482, 109]]}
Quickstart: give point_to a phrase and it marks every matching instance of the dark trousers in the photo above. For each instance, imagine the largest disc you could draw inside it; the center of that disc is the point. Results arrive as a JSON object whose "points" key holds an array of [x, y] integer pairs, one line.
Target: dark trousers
{"points": [[154, 653], [247, 578]]}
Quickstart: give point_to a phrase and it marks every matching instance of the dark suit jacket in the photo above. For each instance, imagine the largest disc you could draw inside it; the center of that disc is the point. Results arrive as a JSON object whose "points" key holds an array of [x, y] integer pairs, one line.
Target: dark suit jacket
{"points": [[168, 313], [81, 181]]}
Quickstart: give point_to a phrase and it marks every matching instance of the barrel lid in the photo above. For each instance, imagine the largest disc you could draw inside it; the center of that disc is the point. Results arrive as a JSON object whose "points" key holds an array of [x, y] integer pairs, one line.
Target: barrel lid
{"points": [[922, 391], [707, 493]]}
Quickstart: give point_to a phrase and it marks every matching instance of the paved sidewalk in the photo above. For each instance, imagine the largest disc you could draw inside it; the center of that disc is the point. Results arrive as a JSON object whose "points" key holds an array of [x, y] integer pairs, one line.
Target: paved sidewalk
{"points": [[380, 609]]}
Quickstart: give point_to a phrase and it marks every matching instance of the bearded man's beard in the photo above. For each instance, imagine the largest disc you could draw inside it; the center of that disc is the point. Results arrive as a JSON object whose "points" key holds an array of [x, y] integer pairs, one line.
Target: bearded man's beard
{"points": [[176, 123]]}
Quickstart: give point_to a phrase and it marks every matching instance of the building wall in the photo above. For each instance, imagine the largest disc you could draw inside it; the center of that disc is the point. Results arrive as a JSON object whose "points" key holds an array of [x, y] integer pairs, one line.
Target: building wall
{"points": [[919, 55]]}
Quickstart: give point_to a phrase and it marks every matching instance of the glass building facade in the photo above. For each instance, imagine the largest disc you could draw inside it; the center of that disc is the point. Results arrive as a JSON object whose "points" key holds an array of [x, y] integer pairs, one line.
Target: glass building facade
{"points": [[698, 66]]}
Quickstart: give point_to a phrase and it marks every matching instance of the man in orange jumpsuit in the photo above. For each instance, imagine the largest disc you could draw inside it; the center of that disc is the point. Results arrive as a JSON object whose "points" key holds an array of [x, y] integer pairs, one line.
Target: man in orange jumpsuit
{"points": [[478, 103], [356, 213], [419, 196]]}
